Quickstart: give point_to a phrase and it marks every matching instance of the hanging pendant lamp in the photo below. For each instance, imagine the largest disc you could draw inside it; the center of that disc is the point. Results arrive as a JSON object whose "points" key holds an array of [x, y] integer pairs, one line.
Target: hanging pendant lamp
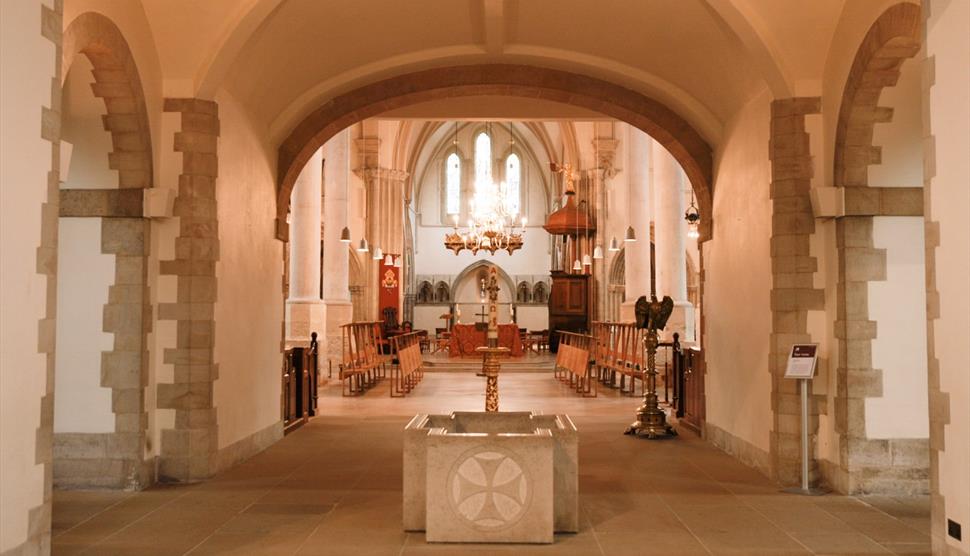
{"points": [[598, 252], [362, 248], [587, 261], [345, 235], [378, 254], [631, 235], [614, 245], [388, 260]]}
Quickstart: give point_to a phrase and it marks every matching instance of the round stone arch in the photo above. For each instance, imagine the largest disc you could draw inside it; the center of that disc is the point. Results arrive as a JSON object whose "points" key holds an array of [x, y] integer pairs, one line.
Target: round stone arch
{"points": [[893, 38], [118, 84], [668, 128], [125, 233], [507, 280]]}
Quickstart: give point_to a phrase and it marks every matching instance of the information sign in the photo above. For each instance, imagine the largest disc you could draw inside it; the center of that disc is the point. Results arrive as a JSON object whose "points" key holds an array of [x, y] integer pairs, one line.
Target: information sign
{"points": [[801, 362]]}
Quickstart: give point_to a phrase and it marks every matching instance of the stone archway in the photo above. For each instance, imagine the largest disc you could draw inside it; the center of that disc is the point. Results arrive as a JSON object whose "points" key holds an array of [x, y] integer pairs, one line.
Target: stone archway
{"points": [[669, 129], [469, 270], [118, 84], [125, 234], [892, 39]]}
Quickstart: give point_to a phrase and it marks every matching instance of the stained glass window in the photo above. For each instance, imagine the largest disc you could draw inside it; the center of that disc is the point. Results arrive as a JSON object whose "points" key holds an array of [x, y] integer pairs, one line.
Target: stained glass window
{"points": [[483, 160]]}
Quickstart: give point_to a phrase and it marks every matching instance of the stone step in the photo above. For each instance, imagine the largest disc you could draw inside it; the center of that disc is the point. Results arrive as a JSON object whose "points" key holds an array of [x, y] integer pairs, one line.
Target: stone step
{"points": [[528, 365]]}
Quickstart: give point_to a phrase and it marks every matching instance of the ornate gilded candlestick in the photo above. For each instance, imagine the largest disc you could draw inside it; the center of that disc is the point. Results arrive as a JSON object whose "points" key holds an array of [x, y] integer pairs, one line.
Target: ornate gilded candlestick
{"points": [[651, 420], [491, 364]]}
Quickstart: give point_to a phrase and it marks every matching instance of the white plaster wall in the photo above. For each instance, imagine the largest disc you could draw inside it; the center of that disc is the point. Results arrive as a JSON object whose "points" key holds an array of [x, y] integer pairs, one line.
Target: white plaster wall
{"points": [[948, 43], [898, 306], [249, 308], [426, 317], [533, 317], [902, 138], [27, 65], [431, 257], [738, 280], [83, 128], [81, 404]]}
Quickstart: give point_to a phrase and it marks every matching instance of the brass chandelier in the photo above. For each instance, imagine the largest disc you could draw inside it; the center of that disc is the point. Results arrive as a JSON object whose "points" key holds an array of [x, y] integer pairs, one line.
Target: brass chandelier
{"points": [[491, 226], [492, 221]]}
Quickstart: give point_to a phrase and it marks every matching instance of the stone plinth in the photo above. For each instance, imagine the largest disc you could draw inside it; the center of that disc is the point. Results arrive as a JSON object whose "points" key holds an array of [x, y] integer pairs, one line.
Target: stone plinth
{"points": [[491, 477]]}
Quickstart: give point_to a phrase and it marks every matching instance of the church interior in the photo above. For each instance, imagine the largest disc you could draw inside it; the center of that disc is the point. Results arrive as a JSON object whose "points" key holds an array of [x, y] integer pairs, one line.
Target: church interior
{"points": [[485, 276]]}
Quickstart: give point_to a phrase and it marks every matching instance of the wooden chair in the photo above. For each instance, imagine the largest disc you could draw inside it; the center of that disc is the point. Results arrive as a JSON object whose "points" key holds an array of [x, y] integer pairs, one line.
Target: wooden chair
{"points": [[409, 368], [573, 363]]}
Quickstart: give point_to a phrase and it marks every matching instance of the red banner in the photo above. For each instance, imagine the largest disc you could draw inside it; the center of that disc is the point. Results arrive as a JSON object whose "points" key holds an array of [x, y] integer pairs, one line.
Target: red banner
{"points": [[390, 288]]}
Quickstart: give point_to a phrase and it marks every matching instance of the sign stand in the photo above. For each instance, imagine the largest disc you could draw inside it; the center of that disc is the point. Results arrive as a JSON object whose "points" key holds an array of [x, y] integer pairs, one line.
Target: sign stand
{"points": [[801, 366]]}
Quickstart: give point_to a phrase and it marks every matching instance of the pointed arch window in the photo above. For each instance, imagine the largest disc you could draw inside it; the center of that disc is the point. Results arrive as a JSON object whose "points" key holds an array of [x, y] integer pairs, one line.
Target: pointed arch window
{"points": [[513, 183], [483, 160], [453, 183]]}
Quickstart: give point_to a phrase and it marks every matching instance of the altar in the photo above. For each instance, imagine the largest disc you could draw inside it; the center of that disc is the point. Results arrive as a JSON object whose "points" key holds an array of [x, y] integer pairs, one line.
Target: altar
{"points": [[466, 337]]}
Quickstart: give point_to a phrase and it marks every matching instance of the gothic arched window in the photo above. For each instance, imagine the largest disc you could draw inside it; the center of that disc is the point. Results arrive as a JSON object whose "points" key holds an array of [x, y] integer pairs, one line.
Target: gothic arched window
{"points": [[483, 159], [513, 181], [453, 183]]}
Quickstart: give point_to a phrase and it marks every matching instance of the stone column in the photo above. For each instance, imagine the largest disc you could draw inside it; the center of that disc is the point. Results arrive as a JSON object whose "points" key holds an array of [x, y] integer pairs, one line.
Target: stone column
{"points": [[637, 255], [304, 308], [671, 256], [336, 265], [605, 149]]}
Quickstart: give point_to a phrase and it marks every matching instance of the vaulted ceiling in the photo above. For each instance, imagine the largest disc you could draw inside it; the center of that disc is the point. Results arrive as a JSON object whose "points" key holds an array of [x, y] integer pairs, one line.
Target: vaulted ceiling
{"points": [[283, 58]]}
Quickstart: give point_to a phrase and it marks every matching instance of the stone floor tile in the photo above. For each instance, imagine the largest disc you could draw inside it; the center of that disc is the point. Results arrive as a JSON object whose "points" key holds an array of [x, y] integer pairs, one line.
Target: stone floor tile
{"points": [[848, 543], [334, 487], [921, 549]]}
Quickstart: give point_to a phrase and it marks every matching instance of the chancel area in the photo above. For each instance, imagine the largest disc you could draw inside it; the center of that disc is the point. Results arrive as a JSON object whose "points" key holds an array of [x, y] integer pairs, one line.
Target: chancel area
{"points": [[453, 276]]}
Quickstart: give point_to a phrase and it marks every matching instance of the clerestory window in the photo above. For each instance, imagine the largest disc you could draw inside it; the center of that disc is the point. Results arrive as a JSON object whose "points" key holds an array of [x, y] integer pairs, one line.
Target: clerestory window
{"points": [[453, 183], [513, 181]]}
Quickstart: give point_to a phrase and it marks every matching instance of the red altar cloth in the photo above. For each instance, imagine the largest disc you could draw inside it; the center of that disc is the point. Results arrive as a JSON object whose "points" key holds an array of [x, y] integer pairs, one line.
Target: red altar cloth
{"points": [[464, 340]]}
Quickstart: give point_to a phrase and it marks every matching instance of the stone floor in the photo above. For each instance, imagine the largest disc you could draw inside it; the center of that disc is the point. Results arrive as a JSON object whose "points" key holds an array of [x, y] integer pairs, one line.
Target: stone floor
{"points": [[334, 487]]}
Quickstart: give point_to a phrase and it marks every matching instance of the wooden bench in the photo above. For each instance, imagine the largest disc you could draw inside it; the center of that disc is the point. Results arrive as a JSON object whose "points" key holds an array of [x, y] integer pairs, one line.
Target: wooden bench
{"points": [[409, 370], [620, 355], [574, 363], [364, 362]]}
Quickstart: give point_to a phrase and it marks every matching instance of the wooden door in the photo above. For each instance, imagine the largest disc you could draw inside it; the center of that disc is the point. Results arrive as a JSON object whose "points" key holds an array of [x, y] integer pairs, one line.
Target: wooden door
{"points": [[693, 394]]}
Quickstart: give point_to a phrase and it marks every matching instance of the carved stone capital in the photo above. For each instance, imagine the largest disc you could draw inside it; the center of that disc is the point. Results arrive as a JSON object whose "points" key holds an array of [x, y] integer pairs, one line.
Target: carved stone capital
{"points": [[605, 149]]}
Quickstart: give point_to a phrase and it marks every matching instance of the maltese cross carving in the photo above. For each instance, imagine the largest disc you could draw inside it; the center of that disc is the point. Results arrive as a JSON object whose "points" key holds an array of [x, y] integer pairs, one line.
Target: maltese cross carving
{"points": [[489, 490]]}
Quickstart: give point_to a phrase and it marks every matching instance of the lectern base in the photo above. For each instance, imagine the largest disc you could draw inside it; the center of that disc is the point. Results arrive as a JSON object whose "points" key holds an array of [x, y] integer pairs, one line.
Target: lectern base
{"points": [[652, 424]]}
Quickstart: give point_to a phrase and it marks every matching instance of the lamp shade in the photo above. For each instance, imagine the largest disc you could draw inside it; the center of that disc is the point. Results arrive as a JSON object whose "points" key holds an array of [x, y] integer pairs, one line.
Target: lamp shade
{"points": [[378, 254], [388, 260], [362, 248], [614, 245], [345, 235], [587, 261], [397, 262], [631, 234], [598, 252], [577, 265]]}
